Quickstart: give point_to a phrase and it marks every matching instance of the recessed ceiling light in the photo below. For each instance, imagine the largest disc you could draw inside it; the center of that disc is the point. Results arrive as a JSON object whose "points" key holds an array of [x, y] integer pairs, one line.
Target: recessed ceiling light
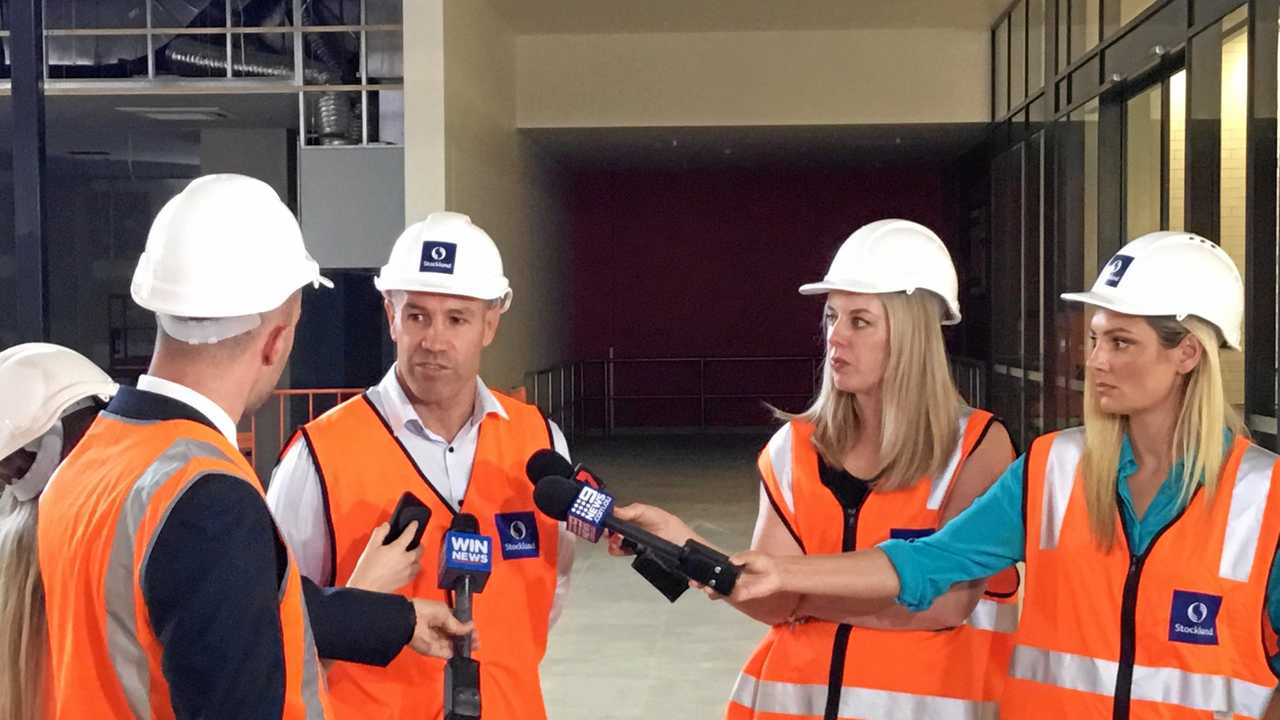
{"points": [[178, 113]]}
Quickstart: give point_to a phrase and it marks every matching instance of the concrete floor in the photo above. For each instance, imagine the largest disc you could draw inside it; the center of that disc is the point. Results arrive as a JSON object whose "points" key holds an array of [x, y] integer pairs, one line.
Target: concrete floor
{"points": [[622, 652]]}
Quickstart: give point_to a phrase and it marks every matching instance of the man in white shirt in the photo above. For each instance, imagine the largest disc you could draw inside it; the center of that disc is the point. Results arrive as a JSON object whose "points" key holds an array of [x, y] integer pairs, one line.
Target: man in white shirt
{"points": [[432, 428]]}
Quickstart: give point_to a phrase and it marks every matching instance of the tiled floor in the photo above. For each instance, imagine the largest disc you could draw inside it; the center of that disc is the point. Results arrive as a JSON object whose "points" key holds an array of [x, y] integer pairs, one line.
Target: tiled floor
{"points": [[620, 650]]}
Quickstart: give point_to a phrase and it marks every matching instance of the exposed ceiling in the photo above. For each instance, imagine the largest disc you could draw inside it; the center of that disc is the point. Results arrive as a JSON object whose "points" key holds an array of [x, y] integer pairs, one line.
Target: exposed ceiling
{"points": [[833, 145], [644, 16]]}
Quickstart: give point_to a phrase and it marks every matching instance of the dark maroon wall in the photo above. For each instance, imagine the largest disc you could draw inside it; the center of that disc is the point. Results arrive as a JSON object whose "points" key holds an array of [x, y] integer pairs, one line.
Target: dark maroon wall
{"points": [[706, 262]]}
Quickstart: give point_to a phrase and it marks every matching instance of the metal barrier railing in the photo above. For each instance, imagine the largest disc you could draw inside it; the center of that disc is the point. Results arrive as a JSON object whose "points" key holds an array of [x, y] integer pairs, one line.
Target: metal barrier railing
{"points": [[283, 413], [561, 391]]}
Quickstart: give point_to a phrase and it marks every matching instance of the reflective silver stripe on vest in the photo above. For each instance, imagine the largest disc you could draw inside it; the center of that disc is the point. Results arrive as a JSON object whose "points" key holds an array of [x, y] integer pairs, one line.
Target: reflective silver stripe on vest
{"points": [[940, 484], [994, 616], [312, 680], [1171, 686], [1244, 520], [128, 658], [1059, 477], [810, 700], [779, 450]]}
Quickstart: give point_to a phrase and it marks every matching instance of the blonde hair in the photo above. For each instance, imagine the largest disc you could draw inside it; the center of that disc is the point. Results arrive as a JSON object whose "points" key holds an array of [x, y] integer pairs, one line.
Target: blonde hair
{"points": [[23, 635], [1197, 437], [919, 422]]}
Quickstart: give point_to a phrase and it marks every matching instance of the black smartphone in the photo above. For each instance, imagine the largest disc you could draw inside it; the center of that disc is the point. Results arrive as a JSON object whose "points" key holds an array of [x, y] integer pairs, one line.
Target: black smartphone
{"points": [[409, 509]]}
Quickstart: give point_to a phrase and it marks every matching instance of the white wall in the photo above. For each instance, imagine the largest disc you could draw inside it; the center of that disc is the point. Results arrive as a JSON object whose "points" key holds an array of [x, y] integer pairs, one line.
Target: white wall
{"points": [[423, 108], [920, 75]]}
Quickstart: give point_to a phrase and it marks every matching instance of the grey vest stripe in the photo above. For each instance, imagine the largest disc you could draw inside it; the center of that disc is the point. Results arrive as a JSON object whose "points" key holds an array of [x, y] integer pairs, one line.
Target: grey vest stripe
{"points": [[810, 700], [939, 485], [1059, 478], [312, 682], [1248, 504], [127, 655], [1198, 691]]}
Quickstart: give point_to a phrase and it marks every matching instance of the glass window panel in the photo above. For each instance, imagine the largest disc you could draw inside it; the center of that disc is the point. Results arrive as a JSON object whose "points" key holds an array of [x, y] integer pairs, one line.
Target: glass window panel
{"points": [[1035, 45], [1001, 83], [1085, 22], [94, 14], [385, 56], [1143, 186], [72, 57], [1077, 260], [1235, 117], [1018, 54], [384, 12], [386, 117], [1177, 150]]}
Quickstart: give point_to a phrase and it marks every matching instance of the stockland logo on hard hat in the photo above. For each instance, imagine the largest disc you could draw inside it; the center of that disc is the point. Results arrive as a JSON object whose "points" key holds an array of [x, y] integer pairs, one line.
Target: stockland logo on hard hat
{"points": [[438, 257], [1116, 269]]}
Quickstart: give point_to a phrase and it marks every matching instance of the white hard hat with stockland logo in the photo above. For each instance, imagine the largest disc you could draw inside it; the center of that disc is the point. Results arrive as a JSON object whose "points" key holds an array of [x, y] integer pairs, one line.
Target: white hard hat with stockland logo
{"points": [[889, 256], [1172, 274], [42, 383], [220, 253], [446, 254]]}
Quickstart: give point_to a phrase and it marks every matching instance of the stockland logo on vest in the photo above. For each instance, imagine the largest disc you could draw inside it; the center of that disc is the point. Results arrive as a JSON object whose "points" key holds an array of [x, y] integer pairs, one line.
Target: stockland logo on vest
{"points": [[1194, 618], [438, 257], [518, 532]]}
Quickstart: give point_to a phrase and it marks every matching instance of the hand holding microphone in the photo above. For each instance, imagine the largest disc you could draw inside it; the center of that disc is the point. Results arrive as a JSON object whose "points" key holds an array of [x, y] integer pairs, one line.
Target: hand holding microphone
{"points": [[588, 512], [663, 577], [466, 560]]}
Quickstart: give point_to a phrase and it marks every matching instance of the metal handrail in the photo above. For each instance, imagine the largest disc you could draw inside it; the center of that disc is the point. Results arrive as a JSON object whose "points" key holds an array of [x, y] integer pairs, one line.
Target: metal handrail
{"points": [[560, 391]]}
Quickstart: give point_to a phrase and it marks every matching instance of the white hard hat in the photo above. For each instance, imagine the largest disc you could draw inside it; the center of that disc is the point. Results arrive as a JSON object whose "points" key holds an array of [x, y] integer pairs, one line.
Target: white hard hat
{"points": [[41, 383], [224, 249], [449, 255], [893, 256], [1175, 274]]}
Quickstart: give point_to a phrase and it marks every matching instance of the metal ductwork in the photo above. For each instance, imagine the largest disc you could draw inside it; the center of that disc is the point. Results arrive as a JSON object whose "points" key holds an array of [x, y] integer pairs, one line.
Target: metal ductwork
{"points": [[329, 60]]}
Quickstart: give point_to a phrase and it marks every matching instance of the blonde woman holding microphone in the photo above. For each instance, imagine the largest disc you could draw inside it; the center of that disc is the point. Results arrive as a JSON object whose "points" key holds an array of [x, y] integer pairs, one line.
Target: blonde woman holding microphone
{"points": [[887, 449]]}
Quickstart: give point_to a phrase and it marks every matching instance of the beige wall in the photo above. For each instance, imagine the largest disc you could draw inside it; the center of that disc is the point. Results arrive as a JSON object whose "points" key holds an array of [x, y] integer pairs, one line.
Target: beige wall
{"points": [[423, 108], [754, 78], [494, 175]]}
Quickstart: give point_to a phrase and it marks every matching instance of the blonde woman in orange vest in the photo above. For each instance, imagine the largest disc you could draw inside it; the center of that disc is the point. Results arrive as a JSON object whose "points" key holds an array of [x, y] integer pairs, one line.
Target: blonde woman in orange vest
{"points": [[1149, 534], [52, 394], [888, 449]]}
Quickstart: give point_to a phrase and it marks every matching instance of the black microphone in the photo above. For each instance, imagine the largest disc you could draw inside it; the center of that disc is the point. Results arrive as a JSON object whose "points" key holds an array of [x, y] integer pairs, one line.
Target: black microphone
{"points": [[549, 463], [466, 559], [667, 580], [587, 512]]}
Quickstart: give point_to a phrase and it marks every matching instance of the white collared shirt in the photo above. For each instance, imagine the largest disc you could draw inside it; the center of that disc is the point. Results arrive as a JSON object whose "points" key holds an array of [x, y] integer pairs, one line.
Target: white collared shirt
{"points": [[201, 404], [296, 500]]}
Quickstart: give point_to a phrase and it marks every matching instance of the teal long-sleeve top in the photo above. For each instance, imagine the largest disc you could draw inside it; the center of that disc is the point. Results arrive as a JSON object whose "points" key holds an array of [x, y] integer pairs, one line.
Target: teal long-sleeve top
{"points": [[990, 536]]}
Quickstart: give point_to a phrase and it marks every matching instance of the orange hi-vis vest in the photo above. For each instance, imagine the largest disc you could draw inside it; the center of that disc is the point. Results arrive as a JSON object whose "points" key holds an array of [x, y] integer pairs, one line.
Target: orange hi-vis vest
{"points": [[1176, 632], [364, 470], [825, 670], [98, 519]]}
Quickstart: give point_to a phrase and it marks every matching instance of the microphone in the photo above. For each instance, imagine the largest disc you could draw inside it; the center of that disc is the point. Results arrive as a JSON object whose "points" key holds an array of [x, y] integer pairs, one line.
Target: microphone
{"points": [[587, 512], [466, 559], [549, 463], [670, 582]]}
